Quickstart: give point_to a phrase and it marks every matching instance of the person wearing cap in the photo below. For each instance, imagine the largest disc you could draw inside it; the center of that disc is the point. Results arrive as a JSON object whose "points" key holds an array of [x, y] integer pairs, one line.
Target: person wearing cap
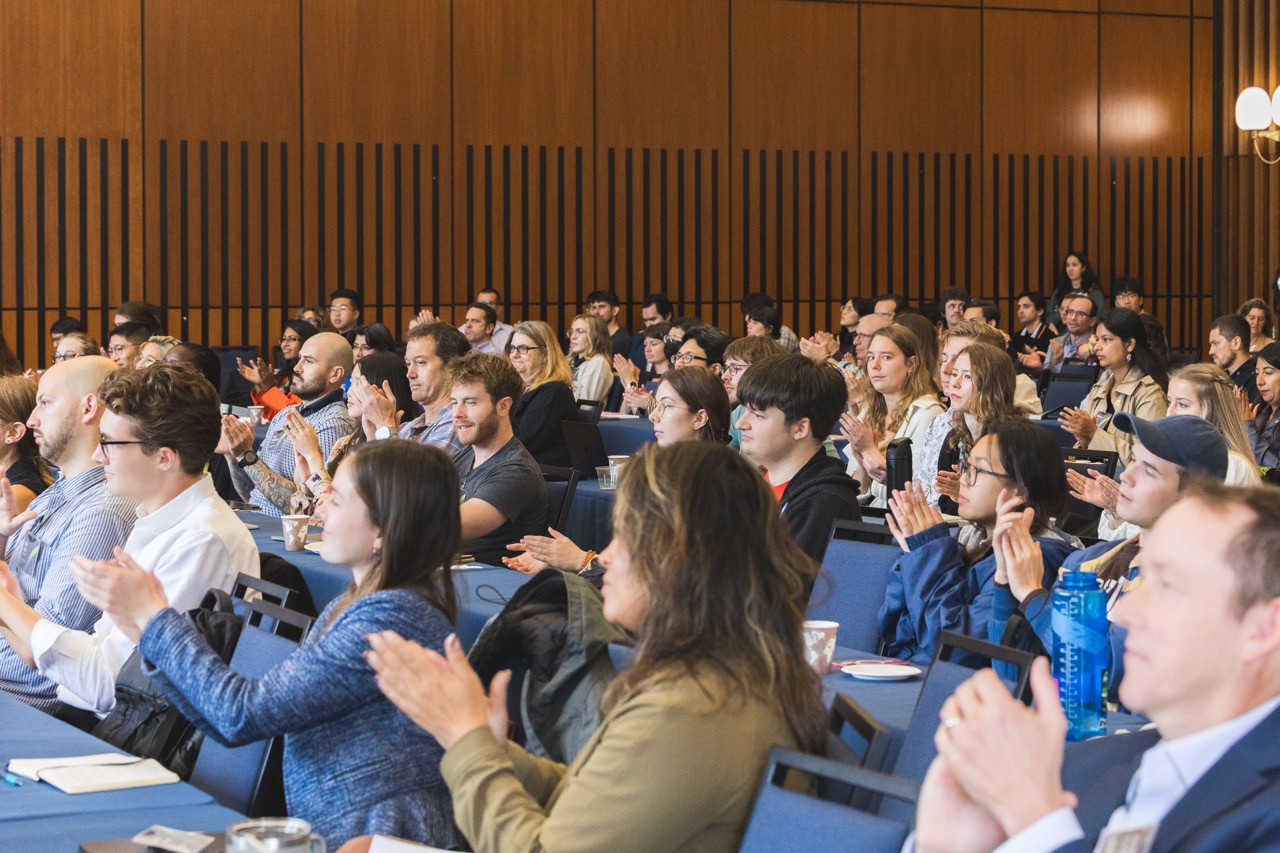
{"points": [[1166, 453]]}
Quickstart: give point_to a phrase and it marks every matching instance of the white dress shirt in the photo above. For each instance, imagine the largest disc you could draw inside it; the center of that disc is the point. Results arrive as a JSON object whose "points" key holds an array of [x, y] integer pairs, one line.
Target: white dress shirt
{"points": [[193, 543]]}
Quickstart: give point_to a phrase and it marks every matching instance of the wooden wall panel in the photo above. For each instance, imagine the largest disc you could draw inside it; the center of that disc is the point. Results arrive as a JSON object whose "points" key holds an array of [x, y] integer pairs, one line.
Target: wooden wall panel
{"points": [[793, 130], [377, 99], [222, 92], [523, 76], [70, 164], [662, 152]]}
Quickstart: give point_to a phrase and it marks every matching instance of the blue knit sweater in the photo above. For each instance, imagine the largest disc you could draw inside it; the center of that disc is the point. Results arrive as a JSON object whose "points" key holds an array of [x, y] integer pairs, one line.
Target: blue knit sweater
{"points": [[353, 763]]}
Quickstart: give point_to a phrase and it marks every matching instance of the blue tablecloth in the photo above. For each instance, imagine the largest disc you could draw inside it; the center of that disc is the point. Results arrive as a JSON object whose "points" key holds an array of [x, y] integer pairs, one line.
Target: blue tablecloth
{"points": [[68, 832], [28, 733], [623, 436]]}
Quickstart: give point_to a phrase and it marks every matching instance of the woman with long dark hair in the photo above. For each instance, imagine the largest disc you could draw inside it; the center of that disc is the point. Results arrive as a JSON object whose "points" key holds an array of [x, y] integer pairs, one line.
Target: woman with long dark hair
{"points": [[1133, 380], [699, 551], [1076, 275], [353, 764], [1262, 423]]}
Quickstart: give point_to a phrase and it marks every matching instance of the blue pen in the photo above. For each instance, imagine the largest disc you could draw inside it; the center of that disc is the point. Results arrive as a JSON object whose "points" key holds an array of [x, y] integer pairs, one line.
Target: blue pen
{"points": [[10, 779]]}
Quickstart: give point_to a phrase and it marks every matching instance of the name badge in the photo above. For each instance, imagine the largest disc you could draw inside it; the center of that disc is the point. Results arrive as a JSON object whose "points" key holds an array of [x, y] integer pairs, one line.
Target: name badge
{"points": [[1137, 840]]}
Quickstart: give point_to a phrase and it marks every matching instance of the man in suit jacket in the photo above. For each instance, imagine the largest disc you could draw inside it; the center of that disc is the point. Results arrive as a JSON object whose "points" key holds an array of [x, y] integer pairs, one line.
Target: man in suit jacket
{"points": [[1202, 661]]}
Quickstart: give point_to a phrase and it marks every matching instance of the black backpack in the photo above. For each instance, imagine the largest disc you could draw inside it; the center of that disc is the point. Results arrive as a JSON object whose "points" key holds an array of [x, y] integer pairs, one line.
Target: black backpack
{"points": [[144, 722]]}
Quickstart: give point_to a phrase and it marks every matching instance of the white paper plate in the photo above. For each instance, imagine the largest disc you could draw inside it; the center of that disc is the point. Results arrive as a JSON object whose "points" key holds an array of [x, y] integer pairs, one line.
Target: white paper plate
{"points": [[249, 526], [313, 547], [881, 671]]}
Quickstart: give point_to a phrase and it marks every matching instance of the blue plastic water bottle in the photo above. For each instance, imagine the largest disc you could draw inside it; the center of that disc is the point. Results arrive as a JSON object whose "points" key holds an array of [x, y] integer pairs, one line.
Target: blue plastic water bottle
{"points": [[1080, 652]]}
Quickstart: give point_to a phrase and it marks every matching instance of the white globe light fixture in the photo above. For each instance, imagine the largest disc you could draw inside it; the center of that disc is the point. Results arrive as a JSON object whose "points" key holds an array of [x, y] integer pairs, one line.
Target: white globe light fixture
{"points": [[1255, 113]]}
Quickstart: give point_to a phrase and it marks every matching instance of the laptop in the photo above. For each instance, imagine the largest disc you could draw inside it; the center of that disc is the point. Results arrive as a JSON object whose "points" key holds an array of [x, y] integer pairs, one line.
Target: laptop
{"points": [[586, 447]]}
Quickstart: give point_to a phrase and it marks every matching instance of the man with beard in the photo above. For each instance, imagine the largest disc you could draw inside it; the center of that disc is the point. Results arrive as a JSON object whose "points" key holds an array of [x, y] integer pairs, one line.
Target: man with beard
{"points": [[324, 363], [75, 516], [504, 497]]}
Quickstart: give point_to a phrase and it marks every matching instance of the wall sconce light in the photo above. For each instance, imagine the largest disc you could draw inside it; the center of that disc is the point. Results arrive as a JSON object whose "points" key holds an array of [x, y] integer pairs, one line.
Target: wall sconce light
{"points": [[1256, 111]]}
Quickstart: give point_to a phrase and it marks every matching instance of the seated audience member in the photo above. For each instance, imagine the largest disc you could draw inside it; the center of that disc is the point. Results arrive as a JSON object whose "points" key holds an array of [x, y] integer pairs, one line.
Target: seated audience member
{"points": [[764, 321], [866, 329], [501, 331], [125, 341], [1034, 333], [548, 398], [653, 354], [605, 305], [738, 356], [984, 311], [675, 763], [64, 326], [1262, 423], [1203, 658], [889, 305], [1126, 292], [690, 406], [154, 350], [77, 515], [927, 334], [371, 338], [656, 309], [313, 471], [980, 388], [427, 417], [266, 479], [1076, 276], [704, 345], [140, 312], [1132, 381], [75, 345], [503, 494], [344, 313], [589, 356], [272, 388], [314, 316], [945, 584], [824, 345], [754, 302], [954, 301], [1257, 313], [1229, 349], [1074, 344], [478, 326], [352, 762], [790, 405], [20, 460], [154, 453], [901, 404], [1167, 453]]}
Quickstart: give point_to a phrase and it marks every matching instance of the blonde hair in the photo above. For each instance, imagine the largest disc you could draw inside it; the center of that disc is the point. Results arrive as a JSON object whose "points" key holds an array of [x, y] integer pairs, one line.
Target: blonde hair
{"points": [[598, 340], [555, 367], [1216, 393], [919, 384], [993, 386]]}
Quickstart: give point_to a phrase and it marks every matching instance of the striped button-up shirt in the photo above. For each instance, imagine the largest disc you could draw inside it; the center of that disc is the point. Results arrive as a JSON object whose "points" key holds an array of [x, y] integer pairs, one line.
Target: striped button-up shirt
{"points": [[327, 415], [438, 432], [74, 517]]}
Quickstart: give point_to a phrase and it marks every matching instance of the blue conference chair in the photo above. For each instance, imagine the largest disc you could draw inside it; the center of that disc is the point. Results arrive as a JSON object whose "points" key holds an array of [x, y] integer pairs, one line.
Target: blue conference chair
{"points": [[235, 776], [783, 821], [850, 588]]}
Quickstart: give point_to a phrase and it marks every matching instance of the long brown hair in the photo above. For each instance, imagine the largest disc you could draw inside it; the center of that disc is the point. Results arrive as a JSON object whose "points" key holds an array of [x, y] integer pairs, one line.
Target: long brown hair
{"points": [[17, 400], [919, 384], [726, 583], [410, 491], [993, 386]]}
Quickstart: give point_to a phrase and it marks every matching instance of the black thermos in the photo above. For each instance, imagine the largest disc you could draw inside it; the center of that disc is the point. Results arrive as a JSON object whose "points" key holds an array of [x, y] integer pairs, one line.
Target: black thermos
{"points": [[897, 458]]}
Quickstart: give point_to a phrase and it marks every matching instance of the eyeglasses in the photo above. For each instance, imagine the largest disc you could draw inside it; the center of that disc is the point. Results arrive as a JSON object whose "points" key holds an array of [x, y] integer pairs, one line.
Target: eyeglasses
{"points": [[363, 349], [969, 473], [1068, 312], [65, 356], [523, 349], [339, 309], [573, 333], [687, 358], [731, 370], [660, 408], [289, 339], [862, 336], [118, 349], [106, 445]]}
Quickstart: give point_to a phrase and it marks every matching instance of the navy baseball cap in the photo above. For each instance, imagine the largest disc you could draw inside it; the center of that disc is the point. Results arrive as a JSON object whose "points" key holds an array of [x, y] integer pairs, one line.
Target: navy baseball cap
{"points": [[1185, 440]]}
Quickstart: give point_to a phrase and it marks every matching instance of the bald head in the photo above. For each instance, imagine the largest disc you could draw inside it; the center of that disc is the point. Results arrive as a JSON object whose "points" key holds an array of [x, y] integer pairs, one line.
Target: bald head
{"points": [[77, 377], [65, 419], [324, 363]]}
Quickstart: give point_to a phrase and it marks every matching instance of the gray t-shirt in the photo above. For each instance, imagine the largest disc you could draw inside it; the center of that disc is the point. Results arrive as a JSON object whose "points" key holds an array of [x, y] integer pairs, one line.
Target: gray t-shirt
{"points": [[511, 482]]}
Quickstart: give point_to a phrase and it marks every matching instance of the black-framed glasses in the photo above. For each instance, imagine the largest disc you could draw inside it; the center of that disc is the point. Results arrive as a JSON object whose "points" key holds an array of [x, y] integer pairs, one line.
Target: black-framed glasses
{"points": [[731, 370], [687, 358], [969, 473], [107, 444], [289, 339], [523, 349], [119, 349], [65, 356]]}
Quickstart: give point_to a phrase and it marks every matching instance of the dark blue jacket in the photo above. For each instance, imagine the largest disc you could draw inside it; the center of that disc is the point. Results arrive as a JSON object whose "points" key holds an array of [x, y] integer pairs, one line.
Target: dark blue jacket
{"points": [[931, 590]]}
